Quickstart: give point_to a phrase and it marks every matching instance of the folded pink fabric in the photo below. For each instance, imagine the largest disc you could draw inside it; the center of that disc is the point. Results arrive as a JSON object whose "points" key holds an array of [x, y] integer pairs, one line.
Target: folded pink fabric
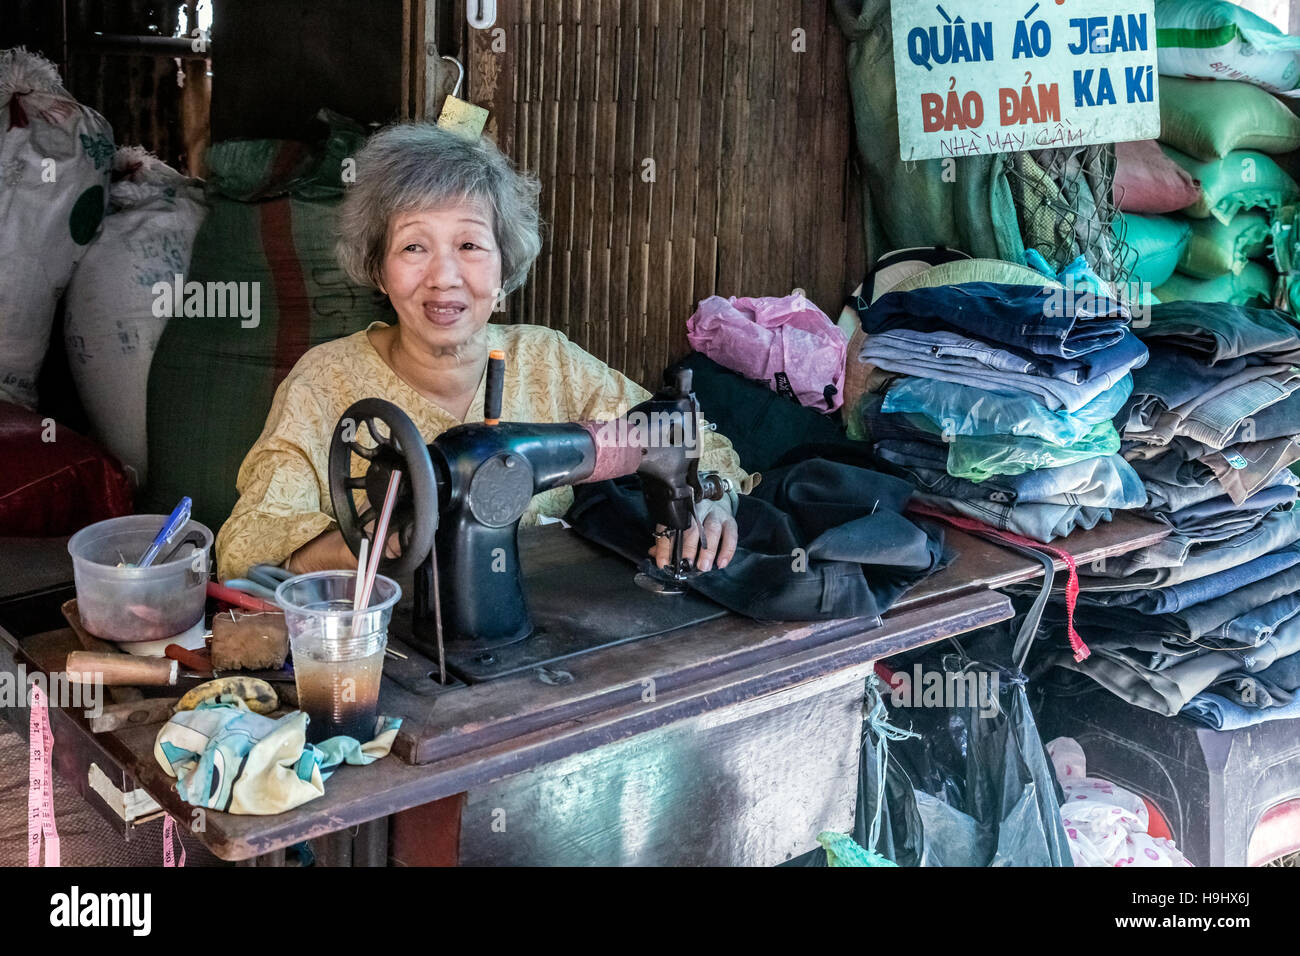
{"points": [[786, 342]]}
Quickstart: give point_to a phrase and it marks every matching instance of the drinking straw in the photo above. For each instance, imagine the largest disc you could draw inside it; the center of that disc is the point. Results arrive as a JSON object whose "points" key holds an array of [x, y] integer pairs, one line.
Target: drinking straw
{"points": [[362, 553], [380, 539]]}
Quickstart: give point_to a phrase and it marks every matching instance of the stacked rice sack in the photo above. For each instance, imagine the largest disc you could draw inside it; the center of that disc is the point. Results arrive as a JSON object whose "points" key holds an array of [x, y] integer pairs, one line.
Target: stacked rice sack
{"points": [[1202, 206], [55, 161], [112, 324]]}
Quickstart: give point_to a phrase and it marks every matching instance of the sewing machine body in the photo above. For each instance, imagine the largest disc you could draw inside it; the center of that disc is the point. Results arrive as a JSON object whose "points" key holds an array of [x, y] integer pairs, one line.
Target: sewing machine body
{"points": [[460, 502]]}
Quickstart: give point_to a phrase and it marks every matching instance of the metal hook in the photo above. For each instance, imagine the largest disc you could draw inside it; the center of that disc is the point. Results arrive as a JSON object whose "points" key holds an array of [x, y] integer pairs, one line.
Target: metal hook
{"points": [[481, 14], [460, 78]]}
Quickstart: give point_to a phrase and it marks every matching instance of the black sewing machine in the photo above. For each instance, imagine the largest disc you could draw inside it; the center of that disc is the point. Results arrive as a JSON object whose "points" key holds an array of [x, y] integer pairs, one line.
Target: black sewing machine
{"points": [[460, 500]]}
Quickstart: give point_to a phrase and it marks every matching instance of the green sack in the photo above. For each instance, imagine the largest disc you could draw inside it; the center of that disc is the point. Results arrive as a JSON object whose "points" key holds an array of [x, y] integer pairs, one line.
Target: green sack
{"points": [[1288, 294], [1220, 40], [914, 203], [1157, 243], [1215, 249], [1285, 231], [1207, 119], [272, 227], [1253, 286], [1244, 179]]}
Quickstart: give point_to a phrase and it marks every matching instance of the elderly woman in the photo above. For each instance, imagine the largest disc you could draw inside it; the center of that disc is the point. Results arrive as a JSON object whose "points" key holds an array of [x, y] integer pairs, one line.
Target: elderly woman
{"points": [[444, 227]]}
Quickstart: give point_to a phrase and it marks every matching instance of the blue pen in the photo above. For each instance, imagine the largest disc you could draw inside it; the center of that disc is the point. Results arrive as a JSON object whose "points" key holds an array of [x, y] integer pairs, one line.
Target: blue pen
{"points": [[179, 517]]}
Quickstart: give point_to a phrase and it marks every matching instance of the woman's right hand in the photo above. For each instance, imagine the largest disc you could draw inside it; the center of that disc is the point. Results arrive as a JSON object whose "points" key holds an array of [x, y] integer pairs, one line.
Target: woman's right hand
{"points": [[329, 551]]}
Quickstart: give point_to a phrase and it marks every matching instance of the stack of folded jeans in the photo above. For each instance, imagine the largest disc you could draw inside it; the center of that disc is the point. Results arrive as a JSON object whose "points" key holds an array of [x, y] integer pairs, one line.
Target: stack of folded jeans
{"points": [[1205, 622], [997, 402]]}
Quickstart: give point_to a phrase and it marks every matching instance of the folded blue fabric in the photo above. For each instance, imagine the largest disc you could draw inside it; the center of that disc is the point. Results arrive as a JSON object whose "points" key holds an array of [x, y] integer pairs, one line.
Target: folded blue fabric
{"points": [[1218, 331], [1220, 713], [1179, 597], [1039, 320], [1103, 482], [966, 410]]}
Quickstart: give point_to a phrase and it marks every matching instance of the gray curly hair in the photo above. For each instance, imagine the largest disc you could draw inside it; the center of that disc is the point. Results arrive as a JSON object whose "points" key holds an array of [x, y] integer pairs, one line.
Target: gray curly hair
{"points": [[415, 166]]}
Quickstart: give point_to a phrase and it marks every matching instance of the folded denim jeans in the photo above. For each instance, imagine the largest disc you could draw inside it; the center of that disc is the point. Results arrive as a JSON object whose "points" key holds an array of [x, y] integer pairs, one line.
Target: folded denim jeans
{"points": [[1243, 618], [1164, 691], [1034, 319], [1174, 550], [1279, 420], [948, 357], [1224, 527], [1283, 673], [1218, 331], [1174, 483], [1244, 470], [1277, 530], [1168, 690], [1148, 649], [1250, 690], [1216, 413], [1221, 713], [1172, 377], [1042, 521], [1129, 353], [1253, 628], [1212, 512], [1190, 594]]}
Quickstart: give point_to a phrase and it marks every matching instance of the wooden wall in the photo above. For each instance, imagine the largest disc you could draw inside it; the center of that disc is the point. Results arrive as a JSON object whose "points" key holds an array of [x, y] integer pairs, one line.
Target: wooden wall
{"points": [[753, 190]]}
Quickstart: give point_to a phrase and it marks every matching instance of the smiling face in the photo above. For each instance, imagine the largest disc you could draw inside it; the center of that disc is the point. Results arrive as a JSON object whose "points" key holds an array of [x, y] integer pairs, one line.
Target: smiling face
{"points": [[442, 270]]}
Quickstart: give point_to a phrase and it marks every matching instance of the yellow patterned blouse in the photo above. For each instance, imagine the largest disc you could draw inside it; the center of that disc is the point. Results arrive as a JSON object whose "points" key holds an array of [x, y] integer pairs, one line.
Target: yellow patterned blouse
{"points": [[284, 481]]}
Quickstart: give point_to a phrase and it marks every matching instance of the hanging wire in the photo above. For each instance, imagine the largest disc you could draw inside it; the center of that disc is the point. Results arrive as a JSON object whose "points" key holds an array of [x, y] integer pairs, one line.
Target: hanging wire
{"points": [[877, 721]]}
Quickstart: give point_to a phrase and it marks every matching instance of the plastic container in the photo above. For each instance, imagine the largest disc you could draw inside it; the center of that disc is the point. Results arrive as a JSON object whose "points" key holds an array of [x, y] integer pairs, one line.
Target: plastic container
{"points": [[138, 604], [338, 653]]}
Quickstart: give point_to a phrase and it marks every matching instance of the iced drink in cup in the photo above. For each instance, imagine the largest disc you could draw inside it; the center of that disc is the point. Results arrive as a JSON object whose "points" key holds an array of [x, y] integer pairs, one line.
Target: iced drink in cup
{"points": [[338, 653]]}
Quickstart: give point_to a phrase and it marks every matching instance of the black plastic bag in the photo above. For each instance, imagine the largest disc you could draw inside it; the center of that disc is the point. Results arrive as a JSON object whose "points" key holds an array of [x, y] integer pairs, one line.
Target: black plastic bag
{"points": [[969, 790]]}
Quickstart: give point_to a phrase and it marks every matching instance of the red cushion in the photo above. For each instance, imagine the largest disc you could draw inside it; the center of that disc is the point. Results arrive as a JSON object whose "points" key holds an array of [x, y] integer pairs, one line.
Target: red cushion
{"points": [[54, 487]]}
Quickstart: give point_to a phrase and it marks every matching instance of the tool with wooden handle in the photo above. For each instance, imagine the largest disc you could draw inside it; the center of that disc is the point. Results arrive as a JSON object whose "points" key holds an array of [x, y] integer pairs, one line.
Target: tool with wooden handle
{"points": [[116, 670], [120, 695], [89, 667]]}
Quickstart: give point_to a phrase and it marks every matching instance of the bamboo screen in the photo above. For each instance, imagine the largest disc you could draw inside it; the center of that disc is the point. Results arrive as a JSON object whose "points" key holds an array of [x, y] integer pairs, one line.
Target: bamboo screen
{"points": [[684, 148]]}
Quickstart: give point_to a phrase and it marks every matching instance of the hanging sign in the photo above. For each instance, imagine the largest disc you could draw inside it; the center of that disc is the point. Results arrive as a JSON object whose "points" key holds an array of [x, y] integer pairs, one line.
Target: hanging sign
{"points": [[998, 76]]}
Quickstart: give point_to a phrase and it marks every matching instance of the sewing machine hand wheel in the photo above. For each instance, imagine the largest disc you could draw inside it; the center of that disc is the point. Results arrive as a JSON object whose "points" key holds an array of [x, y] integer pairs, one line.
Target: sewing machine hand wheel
{"points": [[415, 514]]}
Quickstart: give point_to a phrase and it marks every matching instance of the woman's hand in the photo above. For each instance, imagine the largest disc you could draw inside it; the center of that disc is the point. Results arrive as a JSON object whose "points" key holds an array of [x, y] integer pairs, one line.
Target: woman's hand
{"points": [[329, 551], [720, 535]]}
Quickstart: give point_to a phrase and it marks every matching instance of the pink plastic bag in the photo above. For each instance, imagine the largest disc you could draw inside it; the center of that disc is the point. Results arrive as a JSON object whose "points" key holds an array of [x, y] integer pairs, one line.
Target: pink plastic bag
{"points": [[1146, 180], [786, 342]]}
